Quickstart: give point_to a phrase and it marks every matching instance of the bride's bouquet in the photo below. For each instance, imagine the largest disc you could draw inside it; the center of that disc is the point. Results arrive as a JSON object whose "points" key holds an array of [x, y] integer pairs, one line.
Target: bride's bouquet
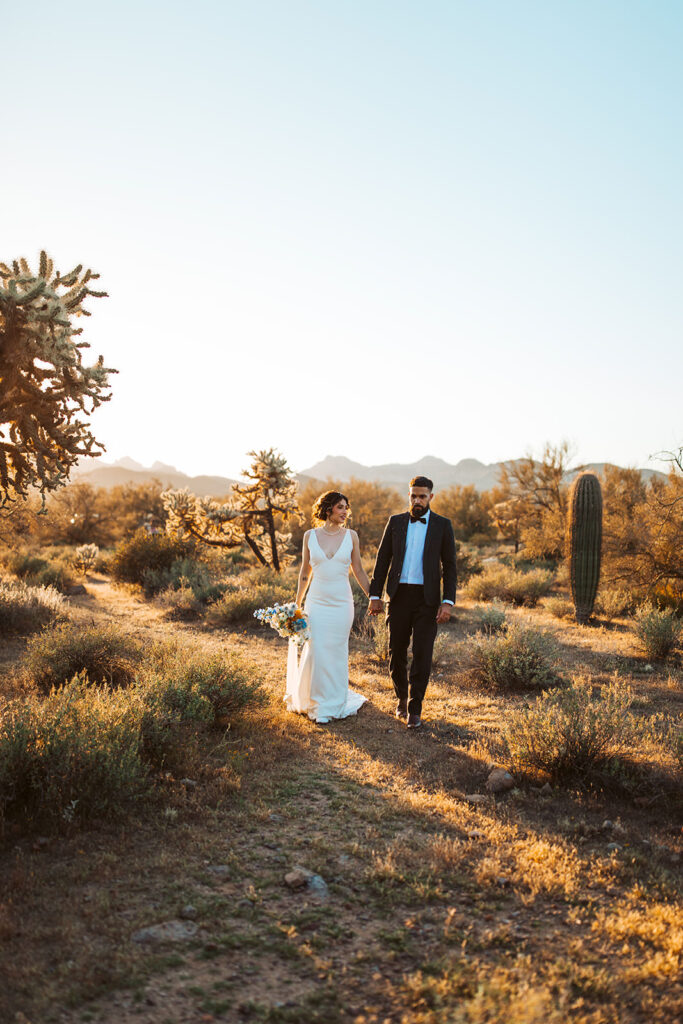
{"points": [[287, 620]]}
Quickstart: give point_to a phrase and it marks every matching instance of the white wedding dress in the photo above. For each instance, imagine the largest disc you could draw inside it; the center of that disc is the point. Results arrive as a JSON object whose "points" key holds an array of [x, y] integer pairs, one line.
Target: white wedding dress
{"points": [[318, 678]]}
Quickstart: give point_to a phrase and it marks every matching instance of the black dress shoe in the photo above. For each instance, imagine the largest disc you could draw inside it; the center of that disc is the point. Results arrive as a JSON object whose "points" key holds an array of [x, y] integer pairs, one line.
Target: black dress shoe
{"points": [[402, 709], [414, 721]]}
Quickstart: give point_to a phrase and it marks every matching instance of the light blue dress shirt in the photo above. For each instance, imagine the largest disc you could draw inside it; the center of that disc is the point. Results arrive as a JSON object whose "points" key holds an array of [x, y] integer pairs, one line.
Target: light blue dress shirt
{"points": [[412, 570]]}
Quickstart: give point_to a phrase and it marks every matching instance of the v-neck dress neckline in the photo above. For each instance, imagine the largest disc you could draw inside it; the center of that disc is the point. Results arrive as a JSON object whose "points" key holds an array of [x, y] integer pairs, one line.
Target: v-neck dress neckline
{"points": [[330, 558]]}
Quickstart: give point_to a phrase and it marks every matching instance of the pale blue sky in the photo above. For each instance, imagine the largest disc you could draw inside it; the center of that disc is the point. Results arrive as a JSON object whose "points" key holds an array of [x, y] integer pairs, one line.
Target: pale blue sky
{"points": [[382, 229]]}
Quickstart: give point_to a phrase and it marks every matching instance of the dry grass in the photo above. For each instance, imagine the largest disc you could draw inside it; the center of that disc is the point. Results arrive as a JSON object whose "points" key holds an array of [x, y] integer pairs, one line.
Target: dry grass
{"points": [[440, 911]]}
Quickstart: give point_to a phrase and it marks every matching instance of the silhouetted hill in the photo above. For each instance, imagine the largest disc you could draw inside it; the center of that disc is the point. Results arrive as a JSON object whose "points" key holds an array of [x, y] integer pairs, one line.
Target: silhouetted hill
{"points": [[128, 471], [397, 474]]}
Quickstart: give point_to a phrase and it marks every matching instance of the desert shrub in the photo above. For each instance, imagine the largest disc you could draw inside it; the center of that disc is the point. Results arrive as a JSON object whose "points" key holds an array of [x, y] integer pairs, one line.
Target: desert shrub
{"points": [[85, 558], [75, 754], [102, 651], [183, 573], [443, 646], [248, 592], [508, 584], [657, 631], [54, 576], [179, 685], [380, 637], [669, 595], [139, 557], [560, 607], [525, 564], [571, 731], [87, 750], [521, 658], [492, 619], [468, 563], [40, 572], [180, 604], [25, 609], [24, 565], [614, 602]]}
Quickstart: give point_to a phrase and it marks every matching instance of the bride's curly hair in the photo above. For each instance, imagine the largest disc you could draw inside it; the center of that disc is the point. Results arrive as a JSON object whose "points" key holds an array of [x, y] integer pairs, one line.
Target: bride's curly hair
{"points": [[324, 504]]}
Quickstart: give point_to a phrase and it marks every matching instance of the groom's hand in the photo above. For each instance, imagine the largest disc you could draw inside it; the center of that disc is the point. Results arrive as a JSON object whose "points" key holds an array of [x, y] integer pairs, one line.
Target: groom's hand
{"points": [[444, 613], [376, 606]]}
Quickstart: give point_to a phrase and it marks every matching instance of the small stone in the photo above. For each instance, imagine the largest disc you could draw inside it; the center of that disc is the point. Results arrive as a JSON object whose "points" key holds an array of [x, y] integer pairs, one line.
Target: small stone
{"points": [[189, 913], [648, 668], [298, 878], [275, 817], [476, 833], [499, 781], [220, 870], [501, 880], [190, 783], [607, 824], [301, 878], [167, 931], [475, 798], [546, 790], [317, 886], [614, 846]]}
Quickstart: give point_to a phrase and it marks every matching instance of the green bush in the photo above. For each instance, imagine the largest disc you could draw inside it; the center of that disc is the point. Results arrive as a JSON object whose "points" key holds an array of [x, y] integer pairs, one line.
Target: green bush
{"points": [[144, 557], [181, 604], [40, 572], [572, 731], [508, 584], [249, 591], [180, 685], [224, 682], [492, 619], [184, 572], [73, 755], [560, 607], [519, 659], [88, 750], [102, 651], [657, 631], [468, 562], [24, 565], [25, 609]]}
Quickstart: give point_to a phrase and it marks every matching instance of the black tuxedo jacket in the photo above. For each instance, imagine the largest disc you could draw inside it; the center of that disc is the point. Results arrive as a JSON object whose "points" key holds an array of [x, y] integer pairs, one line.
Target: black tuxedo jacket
{"points": [[439, 554]]}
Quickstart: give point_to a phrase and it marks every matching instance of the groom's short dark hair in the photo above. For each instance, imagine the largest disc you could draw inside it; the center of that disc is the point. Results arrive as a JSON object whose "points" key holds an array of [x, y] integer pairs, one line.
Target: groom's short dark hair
{"points": [[422, 481]]}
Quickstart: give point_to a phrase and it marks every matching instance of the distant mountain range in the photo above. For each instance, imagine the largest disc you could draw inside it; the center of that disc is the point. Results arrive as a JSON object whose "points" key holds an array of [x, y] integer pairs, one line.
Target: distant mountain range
{"points": [[333, 467], [444, 474], [128, 471]]}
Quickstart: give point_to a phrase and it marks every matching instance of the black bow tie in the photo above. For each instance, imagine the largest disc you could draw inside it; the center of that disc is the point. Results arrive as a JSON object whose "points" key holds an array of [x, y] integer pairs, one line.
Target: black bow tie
{"points": [[417, 519]]}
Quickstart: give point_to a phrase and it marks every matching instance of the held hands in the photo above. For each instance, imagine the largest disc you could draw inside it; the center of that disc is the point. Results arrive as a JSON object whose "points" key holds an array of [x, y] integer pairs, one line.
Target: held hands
{"points": [[444, 613], [376, 606]]}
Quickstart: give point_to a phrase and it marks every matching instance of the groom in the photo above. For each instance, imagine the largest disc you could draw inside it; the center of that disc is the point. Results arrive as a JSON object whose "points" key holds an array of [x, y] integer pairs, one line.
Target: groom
{"points": [[417, 548]]}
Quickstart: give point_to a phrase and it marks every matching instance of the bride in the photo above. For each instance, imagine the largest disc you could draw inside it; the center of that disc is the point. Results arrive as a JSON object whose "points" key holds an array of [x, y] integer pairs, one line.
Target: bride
{"points": [[318, 680]]}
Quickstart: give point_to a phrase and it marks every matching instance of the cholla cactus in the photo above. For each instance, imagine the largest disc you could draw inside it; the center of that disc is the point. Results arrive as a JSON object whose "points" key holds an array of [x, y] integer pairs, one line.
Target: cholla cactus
{"points": [[248, 516], [85, 557], [45, 389]]}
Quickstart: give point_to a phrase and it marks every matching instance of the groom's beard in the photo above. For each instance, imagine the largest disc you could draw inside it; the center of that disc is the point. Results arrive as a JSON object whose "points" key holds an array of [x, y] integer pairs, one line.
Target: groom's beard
{"points": [[418, 510]]}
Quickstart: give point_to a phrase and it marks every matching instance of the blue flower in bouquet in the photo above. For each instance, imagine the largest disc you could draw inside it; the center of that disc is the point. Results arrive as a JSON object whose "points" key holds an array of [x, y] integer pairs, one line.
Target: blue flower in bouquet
{"points": [[287, 620]]}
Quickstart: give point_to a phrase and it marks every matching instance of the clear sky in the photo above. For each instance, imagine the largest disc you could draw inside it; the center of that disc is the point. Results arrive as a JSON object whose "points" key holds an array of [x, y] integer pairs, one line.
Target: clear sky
{"points": [[375, 228]]}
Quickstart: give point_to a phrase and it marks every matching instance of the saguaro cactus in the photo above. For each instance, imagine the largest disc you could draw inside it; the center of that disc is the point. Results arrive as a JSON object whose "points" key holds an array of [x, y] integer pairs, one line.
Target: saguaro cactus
{"points": [[584, 542]]}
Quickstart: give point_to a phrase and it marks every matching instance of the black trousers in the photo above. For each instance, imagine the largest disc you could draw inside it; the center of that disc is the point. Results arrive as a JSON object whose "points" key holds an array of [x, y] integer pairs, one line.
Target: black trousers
{"points": [[409, 616]]}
